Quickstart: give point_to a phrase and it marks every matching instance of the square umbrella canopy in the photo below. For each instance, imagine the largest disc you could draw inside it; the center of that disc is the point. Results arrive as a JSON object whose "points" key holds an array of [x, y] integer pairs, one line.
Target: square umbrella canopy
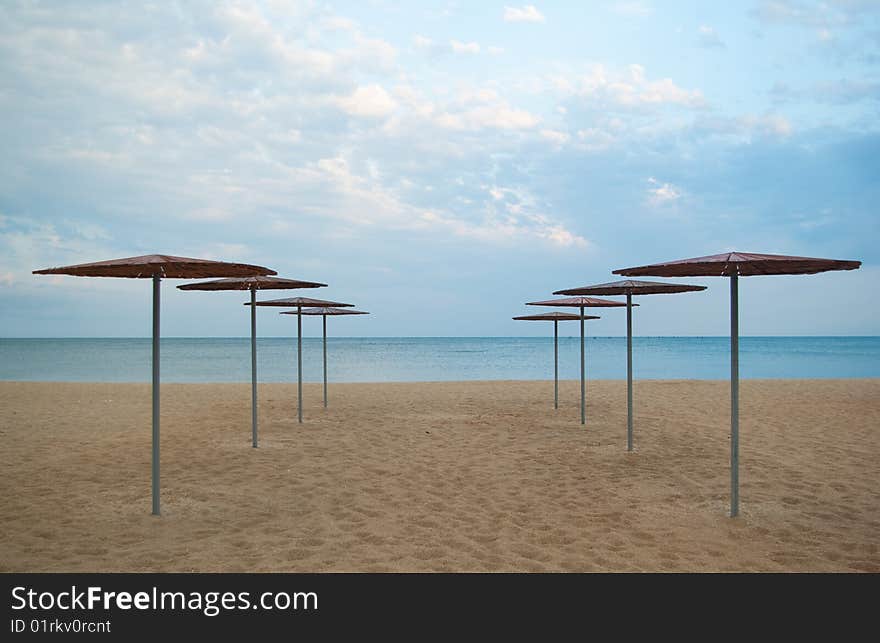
{"points": [[630, 287], [157, 267], [253, 284], [299, 303], [581, 302], [555, 318], [324, 312], [734, 265]]}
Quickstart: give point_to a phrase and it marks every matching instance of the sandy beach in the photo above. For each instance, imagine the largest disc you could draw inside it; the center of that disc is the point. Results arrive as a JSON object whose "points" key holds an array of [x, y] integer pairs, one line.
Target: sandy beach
{"points": [[466, 476]]}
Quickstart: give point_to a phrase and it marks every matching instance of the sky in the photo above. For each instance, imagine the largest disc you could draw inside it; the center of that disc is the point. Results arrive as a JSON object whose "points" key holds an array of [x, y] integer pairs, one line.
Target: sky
{"points": [[438, 164]]}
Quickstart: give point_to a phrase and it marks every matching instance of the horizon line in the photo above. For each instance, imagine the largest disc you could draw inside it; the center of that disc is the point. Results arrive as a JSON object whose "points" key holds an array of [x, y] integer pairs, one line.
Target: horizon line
{"points": [[247, 337]]}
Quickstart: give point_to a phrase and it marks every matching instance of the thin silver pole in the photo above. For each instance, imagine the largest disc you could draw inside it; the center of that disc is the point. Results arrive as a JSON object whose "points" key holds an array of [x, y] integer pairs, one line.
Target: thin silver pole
{"points": [[734, 396], [299, 363], [629, 373], [583, 384], [325, 360], [254, 367], [156, 289], [555, 363]]}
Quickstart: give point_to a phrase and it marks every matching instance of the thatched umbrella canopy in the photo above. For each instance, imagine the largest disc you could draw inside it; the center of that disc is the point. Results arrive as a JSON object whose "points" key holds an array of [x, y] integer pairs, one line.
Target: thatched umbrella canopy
{"points": [[735, 265], [581, 302], [157, 267], [161, 266], [630, 287], [324, 312], [299, 303], [253, 284], [555, 318]]}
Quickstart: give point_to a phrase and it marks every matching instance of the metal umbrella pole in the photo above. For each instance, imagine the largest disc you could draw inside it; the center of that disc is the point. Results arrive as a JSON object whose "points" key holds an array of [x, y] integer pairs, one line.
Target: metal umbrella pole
{"points": [[583, 385], [156, 289], [555, 364], [629, 373], [157, 267], [299, 363], [734, 396], [732, 265], [254, 367], [324, 318]]}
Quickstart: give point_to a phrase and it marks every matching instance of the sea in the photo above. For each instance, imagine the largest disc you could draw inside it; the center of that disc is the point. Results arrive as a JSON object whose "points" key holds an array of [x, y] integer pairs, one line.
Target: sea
{"points": [[426, 359]]}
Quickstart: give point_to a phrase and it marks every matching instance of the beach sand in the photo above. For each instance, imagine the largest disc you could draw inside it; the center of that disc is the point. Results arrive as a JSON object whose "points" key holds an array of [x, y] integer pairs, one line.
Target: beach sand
{"points": [[465, 476]]}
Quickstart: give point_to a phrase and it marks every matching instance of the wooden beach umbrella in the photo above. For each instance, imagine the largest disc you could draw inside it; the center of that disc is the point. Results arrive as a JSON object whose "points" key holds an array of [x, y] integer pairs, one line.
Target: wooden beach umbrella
{"points": [[734, 265], [629, 287], [324, 311], [299, 303], [555, 318], [158, 267], [253, 284], [581, 302]]}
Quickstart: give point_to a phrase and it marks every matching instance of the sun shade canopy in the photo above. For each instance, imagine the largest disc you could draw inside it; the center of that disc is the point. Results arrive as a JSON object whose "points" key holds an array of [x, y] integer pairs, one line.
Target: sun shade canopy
{"points": [[591, 302], [734, 265], [742, 264], [164, 266], [555, 317], [627, 287], [157, 267], [301, 302], [327, 311], [252, 283], [630, 287]]}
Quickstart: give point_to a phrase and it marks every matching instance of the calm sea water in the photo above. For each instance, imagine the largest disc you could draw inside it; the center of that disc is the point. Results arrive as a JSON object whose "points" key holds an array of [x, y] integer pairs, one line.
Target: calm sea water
{"points": [[405, 359]]}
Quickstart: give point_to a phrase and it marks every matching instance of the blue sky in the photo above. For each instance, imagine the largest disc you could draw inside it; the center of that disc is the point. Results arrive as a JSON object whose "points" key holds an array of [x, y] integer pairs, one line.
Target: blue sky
{"points": [[438, 163]]}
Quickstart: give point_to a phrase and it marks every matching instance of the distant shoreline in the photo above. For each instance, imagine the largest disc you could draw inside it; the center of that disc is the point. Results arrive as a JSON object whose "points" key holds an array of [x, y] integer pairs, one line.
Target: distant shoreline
{"points": [[427, 359], [444, 382], [535, 336]]}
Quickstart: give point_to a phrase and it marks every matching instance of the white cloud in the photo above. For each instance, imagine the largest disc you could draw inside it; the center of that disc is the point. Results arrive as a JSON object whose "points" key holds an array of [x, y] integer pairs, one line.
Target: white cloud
{"points": [[464, 47], [235, 251], [768, 124], [381, 54], [631, 88], [498, 116], [515, 212], [747, 128], [709, 38], [594, 139], [555, 136], [428, 46], [338, 23], [480, 95], [422, 42], [506, 231], [528, 13], [370, 101], [495, 51], [562, 237], [30, 245], [415, 103], [660, 194], [361, 198], [640, 90], [210, 215], [809, 15]]}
